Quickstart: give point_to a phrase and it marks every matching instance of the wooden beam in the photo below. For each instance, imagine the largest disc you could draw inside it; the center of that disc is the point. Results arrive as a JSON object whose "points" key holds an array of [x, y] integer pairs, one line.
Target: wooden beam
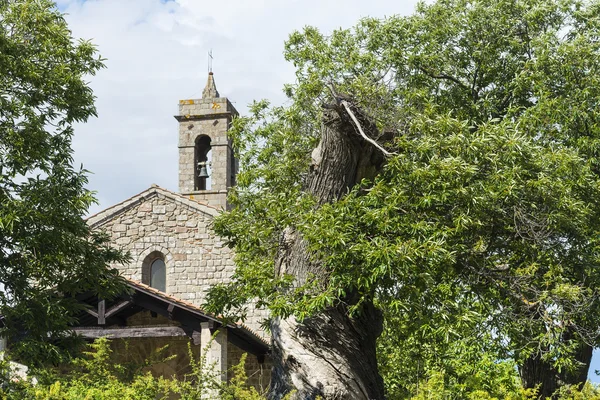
{"points": [[92, 313], [177, 306], [190, 322], [131, 332], [101, 312], [115, 309], [256, 348]]}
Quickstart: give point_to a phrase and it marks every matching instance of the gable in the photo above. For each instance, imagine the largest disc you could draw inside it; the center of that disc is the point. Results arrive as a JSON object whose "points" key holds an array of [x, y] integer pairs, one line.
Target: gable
{"points": [[144, 198], [160, 225]]}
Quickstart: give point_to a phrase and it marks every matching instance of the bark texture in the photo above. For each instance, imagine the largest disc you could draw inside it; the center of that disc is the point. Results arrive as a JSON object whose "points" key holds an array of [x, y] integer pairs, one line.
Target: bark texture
{"points": [[329, 355], [536, 372]]}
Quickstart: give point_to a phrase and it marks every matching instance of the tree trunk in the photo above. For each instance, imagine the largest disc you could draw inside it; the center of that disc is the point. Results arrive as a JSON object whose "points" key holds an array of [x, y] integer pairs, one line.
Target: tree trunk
{"points": [[331, 354], [579, 376], [535, 371]]}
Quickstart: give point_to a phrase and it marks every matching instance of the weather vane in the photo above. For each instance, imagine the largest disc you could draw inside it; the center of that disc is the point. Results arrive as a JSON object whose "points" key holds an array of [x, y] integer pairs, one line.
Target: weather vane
{"points": [[210, 58]]}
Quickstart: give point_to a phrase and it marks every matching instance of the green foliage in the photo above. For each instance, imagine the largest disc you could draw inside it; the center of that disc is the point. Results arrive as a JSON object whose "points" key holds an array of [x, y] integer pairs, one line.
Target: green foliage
{"points": [[588, 392], [98, 376], [237, 389], [46, 248], [94, 376], [464, 363], [434, 388], [484, 219], [202, 378]]}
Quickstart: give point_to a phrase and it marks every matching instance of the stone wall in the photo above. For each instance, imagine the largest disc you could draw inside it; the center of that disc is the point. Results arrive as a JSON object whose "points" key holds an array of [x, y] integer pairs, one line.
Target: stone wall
{"points": [[214, 198], [160, 221], [146, 318], [172, 362], [137, 351], [195, 257]]}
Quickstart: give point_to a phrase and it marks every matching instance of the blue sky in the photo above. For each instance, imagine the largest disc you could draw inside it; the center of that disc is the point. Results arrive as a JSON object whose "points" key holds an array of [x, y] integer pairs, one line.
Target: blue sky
{"points": [[156, 53]]}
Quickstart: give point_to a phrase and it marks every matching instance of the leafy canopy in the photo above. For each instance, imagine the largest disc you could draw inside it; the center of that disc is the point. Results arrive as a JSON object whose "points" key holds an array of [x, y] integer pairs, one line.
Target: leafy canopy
{"points": [[490, 202], [46, 248], [485, 219]]}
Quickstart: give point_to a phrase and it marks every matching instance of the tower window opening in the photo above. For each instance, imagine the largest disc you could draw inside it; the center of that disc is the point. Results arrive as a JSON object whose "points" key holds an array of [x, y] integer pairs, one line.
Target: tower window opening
{"points": [[202, 154]]}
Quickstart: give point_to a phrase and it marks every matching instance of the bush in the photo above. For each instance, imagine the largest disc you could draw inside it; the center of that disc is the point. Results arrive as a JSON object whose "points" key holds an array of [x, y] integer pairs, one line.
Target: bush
{"points": [[95, 376]]}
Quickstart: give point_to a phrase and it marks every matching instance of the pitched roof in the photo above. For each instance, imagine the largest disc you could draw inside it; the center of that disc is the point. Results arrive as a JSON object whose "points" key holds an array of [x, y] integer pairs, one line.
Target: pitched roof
{"points": [[143, 297], [109, 213], [136, 285]]}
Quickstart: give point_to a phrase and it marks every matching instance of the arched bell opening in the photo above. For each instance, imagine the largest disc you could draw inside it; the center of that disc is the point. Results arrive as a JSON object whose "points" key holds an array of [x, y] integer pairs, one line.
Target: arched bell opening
{"points": [[202, 158]]}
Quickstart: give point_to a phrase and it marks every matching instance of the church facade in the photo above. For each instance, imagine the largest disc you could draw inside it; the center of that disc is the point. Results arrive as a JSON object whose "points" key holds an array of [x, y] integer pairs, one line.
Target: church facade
{"points": [[176, 257]]}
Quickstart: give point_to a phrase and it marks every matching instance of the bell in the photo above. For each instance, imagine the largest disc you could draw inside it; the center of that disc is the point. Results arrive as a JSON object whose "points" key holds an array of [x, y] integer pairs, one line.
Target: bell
{"points": [[203, 172]]}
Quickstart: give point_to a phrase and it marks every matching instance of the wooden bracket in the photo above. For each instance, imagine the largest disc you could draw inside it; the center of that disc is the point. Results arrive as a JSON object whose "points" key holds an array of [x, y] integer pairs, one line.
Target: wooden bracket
{"points": [[101, 312], [116, 308]]}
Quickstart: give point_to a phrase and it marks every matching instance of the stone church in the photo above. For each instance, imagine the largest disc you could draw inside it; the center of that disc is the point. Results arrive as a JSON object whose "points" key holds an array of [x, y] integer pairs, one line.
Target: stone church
{"points": [[176, 257]]}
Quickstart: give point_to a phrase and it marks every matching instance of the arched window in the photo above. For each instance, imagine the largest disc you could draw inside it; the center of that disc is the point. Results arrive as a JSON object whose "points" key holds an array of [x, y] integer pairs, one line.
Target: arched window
{"points": [[202, 155], [154, 271], [158, 275]]}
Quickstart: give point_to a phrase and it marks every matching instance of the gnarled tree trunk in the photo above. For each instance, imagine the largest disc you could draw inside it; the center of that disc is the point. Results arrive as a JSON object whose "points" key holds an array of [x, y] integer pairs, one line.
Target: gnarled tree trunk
{"points": [[331, 354]]}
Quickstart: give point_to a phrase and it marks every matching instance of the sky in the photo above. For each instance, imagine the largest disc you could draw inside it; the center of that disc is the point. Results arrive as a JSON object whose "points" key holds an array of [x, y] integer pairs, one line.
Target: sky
{"points": [[156, 54]]}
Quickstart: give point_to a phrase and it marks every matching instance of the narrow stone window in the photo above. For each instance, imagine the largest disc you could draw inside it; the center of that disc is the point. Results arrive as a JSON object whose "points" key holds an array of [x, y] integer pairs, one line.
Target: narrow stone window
{"points": [[233, 168], [202, 154], [158, 275], [154, 271]]}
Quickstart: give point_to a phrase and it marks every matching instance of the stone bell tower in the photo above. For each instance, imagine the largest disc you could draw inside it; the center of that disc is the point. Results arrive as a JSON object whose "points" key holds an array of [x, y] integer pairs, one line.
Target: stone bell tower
{"points": [[207, 166]]}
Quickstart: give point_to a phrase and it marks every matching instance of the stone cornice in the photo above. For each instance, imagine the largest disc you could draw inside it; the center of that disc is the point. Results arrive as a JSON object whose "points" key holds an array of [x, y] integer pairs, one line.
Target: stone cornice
{"points": [[199, 117]]}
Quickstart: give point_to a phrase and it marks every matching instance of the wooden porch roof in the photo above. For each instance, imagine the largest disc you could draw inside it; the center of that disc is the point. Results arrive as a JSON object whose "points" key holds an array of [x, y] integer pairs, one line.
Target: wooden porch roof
{"points": [[107, 318]]}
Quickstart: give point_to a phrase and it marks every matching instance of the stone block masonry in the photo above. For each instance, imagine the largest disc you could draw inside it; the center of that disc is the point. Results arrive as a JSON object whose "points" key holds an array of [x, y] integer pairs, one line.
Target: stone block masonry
{"points": [[158, 222]]}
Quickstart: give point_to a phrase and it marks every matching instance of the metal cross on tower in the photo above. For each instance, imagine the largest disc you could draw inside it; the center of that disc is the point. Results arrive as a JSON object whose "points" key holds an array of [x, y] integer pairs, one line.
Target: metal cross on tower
{"points": [[210, 60]]}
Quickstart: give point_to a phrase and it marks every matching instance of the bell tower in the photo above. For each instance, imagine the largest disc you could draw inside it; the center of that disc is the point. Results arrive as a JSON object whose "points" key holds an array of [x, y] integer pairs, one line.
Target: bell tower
{"points": [[207, 166]]}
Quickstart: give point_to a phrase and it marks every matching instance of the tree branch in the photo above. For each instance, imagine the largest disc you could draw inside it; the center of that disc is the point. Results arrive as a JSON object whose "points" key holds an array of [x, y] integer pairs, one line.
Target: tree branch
{"points": [[444, 76], [362, 133]]}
